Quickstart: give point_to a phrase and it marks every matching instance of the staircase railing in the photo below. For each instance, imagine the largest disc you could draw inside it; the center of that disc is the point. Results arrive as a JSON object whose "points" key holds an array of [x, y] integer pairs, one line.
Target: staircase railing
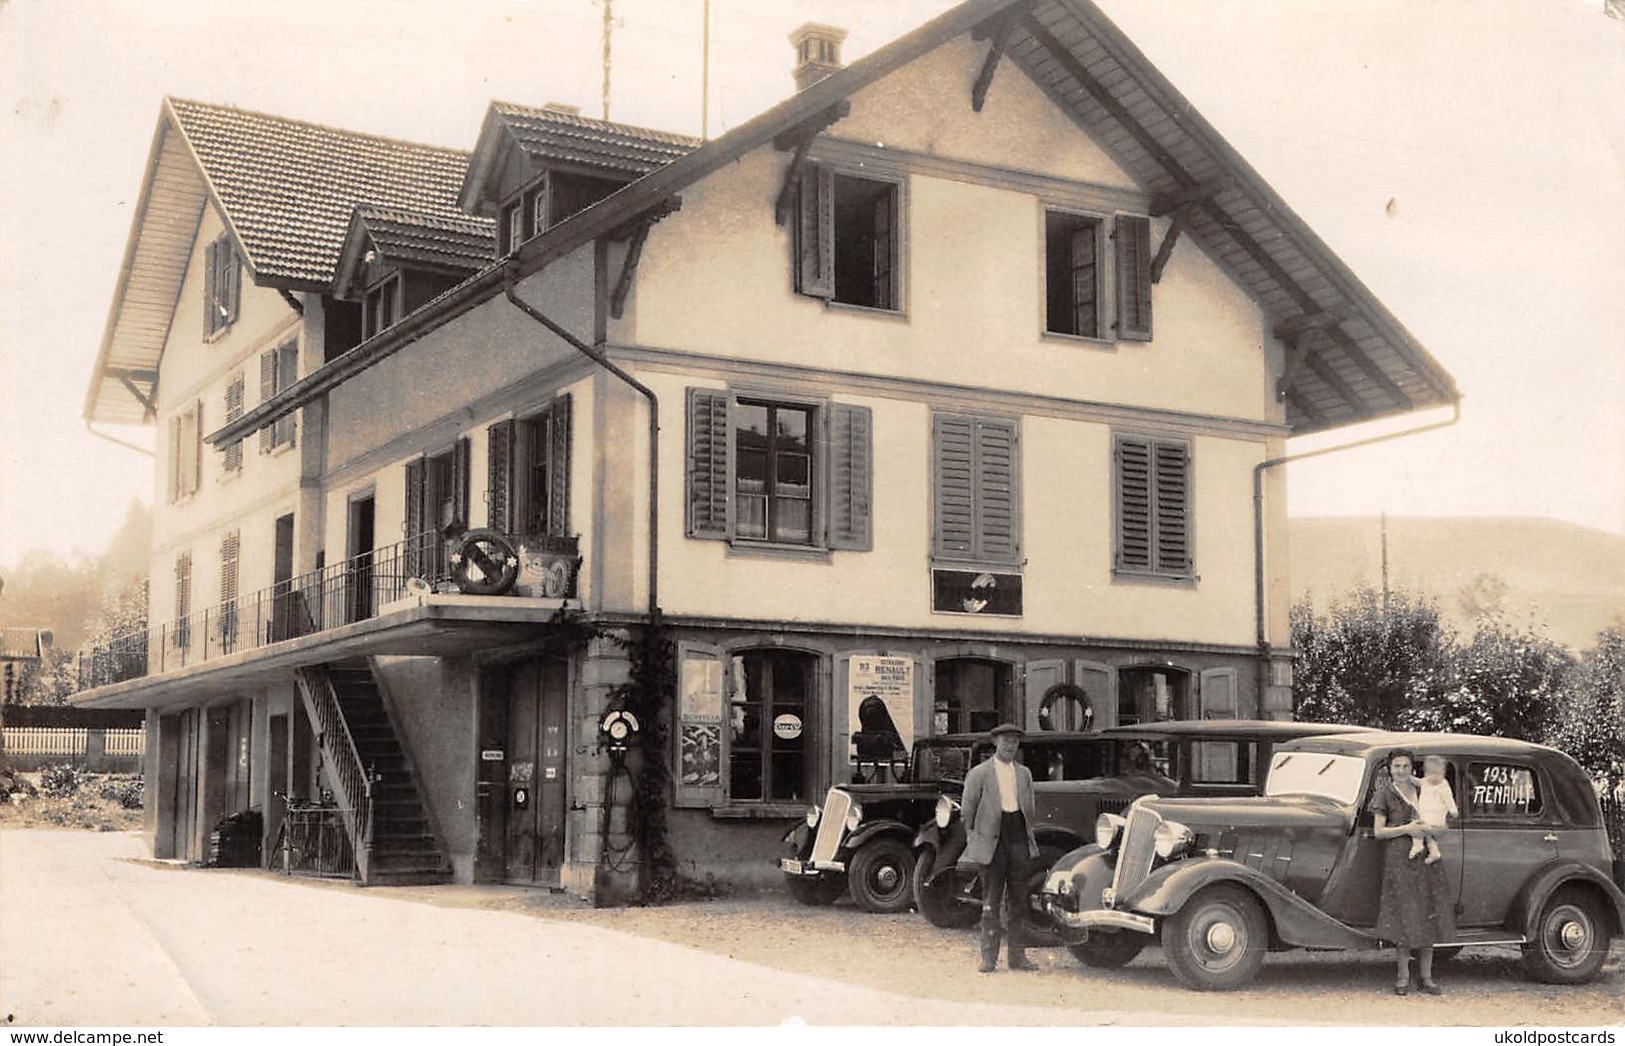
{"points": [[350, 779]]}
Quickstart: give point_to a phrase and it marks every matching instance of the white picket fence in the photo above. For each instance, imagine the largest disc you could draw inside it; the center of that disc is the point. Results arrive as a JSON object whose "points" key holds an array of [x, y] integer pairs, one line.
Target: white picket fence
{"points": [[68, 742]]}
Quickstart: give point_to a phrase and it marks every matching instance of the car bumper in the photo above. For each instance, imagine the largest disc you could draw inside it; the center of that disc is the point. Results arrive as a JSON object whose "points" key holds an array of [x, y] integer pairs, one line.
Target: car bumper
{"points": [[810, 869], [1097, 919]]}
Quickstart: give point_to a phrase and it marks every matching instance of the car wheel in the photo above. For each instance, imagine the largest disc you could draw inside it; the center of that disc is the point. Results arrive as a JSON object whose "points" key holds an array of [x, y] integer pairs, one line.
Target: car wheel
{"points": [[879, 877], [937, 898], [1041, 929], [1110, 951], [820, 891], [1569, 941], [1217, 941]]}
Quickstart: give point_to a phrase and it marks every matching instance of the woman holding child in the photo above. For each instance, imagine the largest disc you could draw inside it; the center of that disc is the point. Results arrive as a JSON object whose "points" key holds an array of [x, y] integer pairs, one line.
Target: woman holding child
{"points": [[1415, 910]]}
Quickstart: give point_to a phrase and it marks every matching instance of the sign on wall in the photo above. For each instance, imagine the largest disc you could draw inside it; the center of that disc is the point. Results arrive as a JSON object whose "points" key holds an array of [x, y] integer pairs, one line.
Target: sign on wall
{"points": [[891, 681], [700, 740], [973, 592]]}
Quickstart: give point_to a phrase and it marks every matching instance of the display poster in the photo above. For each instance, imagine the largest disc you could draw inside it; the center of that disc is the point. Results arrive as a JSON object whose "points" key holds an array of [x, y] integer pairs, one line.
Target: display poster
{"points": [[700, 715], [891, 681]]}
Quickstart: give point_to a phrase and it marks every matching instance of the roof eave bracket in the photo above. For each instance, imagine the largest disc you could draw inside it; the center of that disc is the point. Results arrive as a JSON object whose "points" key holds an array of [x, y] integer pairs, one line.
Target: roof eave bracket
{"points": [[639, 233], [800, 139], [147, 404], [1000, 39], [1169, 239]]}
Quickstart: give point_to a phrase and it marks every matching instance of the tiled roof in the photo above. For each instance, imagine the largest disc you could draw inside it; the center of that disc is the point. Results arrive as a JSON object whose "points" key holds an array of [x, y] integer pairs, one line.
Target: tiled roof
{"points": [[410, 236], [289, 187], [564, 137]]}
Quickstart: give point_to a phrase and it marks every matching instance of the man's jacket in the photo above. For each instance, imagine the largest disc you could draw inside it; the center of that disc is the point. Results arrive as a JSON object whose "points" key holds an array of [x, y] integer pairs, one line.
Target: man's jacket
{"points": [[981, 809]]}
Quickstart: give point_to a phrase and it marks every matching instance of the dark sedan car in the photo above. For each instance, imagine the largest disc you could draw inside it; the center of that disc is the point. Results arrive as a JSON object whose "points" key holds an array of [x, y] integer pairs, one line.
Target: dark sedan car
{"points": [[1222, 881], [1215, 757]]}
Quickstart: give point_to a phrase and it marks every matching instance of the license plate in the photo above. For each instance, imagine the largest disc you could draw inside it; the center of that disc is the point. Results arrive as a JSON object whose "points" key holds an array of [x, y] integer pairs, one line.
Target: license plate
{"points": [[791, 865]]}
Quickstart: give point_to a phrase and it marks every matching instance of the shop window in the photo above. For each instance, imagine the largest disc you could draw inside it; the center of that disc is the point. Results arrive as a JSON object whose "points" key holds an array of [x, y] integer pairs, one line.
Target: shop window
{"points": [[769, 728], [972, 694], [1149, 694]]}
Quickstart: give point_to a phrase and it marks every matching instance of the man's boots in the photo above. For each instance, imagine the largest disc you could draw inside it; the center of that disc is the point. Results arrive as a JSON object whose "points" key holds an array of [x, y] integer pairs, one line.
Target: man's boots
{"points": [[990, 937], [1018, 945]]}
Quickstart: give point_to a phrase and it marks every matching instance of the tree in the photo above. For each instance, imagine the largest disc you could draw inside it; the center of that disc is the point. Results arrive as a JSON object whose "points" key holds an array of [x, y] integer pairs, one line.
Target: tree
{"points": [[1370, 659], [1504, 683], [1588, 719]]}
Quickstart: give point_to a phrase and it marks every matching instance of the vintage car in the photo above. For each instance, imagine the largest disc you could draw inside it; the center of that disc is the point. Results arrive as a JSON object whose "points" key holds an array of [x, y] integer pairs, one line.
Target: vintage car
{"points": [[859, 840], [1214, 757], [1222, 881]]}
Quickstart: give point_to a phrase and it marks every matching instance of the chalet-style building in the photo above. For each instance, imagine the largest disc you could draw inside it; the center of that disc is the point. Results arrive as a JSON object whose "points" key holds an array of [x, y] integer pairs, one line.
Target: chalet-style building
{"points": [[947, 380]]}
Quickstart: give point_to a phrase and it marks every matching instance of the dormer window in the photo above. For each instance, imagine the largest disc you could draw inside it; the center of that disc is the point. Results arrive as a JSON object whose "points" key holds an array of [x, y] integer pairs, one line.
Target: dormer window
{"points": [[547, 201], [222, 286], [382, 305]]}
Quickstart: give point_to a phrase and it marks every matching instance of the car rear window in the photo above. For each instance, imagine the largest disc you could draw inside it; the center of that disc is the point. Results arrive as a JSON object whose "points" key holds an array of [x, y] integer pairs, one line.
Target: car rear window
{"points": [[1502, 790], [940, 763], [1218, 762]]}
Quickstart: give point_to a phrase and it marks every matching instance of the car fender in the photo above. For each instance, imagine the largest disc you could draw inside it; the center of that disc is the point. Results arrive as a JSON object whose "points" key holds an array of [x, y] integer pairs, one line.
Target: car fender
{"points": [[946, 845], [798, 838], [1551, 877], [1060, 837], [866, 832], [1296, 921]]}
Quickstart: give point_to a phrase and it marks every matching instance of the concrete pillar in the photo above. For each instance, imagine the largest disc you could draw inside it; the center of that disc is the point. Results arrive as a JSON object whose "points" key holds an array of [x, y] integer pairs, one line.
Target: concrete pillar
{"points": [[601, 666]]}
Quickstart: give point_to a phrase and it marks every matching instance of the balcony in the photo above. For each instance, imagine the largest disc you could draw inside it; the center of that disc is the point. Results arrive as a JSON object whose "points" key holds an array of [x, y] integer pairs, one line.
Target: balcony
{"points": [[335, 598]]}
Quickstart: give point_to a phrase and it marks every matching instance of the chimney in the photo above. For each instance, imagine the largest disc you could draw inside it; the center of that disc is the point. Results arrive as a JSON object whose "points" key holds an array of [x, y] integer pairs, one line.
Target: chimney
{"points": [[818, 52]]}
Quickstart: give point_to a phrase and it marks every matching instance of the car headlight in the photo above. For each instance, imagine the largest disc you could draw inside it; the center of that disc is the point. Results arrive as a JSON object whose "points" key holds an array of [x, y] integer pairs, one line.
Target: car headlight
{"points": [[854, 817], [1107, 828], [1059, 882], [813, 814], [1171, 839], [945, 811]]}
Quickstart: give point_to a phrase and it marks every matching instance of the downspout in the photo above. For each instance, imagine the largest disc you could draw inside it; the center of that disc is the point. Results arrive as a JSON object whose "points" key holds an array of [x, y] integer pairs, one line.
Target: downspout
{"points": [[114, 439], [654, 429], [1258, 520]]}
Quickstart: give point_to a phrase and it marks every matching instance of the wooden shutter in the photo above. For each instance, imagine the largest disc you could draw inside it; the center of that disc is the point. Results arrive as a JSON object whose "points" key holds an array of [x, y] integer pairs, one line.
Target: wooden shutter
{"points": [[233, 290], [412, 524], [196, 450], [708, 480], [230, 547], [1172, 519], [211, 279], [183, 599], [234, 410], [460, 466], [1219, 698], [700, 757], [499, 476], [998, 535], [954, 479], [815, 232], [267, 390], [1133, 503], [1098, 681], [1040, 676], [558, 468], [851, 454], [1133, 239]]}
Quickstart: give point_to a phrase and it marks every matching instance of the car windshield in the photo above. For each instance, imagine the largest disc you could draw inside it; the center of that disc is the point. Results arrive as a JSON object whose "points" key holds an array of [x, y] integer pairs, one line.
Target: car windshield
{"points": [[940, 762], [1336, 777]]}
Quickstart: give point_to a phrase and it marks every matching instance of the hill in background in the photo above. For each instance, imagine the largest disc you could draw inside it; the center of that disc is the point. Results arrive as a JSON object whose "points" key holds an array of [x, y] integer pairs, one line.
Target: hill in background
{"points": [[1566, 580]]}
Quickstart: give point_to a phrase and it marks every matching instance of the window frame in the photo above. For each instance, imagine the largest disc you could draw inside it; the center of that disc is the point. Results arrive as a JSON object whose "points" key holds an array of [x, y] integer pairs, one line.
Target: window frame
{"points": [[812, 726], [186, 453], [372, 299], [283, 372], [822, 172], [817, 419], [1152, 571], [222, 286], [818, 451], [1105, 274]]}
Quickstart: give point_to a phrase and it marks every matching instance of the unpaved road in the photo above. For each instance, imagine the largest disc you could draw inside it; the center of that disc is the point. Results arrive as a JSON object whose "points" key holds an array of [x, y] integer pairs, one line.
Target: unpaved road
{"points": [[92, 934]]}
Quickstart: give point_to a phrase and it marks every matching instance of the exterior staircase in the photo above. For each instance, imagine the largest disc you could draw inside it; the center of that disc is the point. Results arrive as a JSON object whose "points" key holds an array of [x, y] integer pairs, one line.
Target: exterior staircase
{"points": [[390, 830]]}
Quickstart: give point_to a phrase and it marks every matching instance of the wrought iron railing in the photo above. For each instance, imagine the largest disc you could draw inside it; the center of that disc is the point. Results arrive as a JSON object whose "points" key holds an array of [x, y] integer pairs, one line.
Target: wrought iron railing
{"points": [[340, 594], [352, 781]]}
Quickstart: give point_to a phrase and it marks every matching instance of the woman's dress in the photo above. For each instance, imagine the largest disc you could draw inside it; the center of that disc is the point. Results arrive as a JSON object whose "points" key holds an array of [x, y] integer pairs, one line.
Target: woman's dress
{"points": [[1417, 906]]}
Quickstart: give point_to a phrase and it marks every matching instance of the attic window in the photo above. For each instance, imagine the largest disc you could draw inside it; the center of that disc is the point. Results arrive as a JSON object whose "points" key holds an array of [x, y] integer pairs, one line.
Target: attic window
{"points": [[382, 305], [847, 239], [222, 286]]}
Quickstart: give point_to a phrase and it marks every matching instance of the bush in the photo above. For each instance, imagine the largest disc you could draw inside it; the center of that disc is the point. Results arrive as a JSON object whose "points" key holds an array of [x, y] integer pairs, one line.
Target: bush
{"points": [[127, 792], [61, 780]]}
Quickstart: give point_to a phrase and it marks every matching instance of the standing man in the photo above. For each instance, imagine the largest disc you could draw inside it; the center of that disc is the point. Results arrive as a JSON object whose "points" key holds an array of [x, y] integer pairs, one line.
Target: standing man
{"points": [[998, 810]]}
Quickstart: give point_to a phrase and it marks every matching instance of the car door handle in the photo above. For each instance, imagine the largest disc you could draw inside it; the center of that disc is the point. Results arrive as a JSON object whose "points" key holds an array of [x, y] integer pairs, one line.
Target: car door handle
{"points": [[1549, 837]]}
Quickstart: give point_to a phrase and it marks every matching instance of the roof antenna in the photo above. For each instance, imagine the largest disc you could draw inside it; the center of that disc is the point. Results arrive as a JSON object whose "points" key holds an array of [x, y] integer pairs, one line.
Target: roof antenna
{"points": [[705, 75], [608, 24]]}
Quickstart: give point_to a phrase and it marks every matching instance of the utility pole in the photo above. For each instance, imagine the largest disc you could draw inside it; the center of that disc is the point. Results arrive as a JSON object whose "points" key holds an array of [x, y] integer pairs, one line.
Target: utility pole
{"points": [[1385, 560], [609, 21], [705, 74]]}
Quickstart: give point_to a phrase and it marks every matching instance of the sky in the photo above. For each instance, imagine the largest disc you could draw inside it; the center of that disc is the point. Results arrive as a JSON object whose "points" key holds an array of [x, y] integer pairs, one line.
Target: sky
{"points": [[1466, 159]]}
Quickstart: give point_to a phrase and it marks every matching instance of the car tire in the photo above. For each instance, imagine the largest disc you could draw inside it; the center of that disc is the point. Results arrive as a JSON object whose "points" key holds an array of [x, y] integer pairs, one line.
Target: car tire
{"points": [[1568, 941], [1041, 929], [1217, 941], [1110, 951], [936, 899], [880, 877], [815, 892]]}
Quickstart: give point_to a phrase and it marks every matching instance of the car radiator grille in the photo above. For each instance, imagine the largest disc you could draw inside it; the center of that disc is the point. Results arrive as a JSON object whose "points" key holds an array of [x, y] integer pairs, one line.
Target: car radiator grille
{"points": [[831, 826], [1135, 854]]}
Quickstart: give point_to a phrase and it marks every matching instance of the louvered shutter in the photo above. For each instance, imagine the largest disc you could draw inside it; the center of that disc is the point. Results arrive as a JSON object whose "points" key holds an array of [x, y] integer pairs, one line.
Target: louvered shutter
{"points": [[461, 457], [998, 535], [230, 546], [954, 476], [499, 476], [815, 232], [196, 448], [702, 695], [851, 454], [234, 410], [174, 459], [1133, 503], [1173, 508], [267, 390], [412, 525], [211, 279], [708, 486], [233, 290], [558, 513], [1133, 239]]}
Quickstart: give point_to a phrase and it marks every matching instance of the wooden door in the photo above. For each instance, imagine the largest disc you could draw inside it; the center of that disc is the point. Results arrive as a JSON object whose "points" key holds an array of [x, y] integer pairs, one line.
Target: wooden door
{"points": [[185, 838], [537, 771]]}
